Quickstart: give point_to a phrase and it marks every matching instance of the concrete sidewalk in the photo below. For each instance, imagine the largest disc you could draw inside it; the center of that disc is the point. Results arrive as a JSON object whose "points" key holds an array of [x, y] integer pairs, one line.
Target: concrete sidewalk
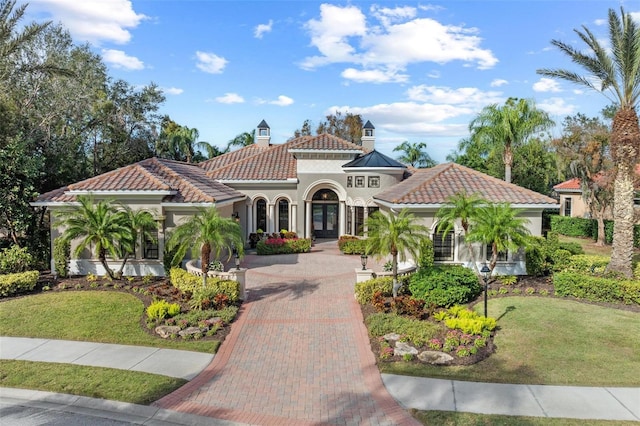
{"points": [[167, 362]]}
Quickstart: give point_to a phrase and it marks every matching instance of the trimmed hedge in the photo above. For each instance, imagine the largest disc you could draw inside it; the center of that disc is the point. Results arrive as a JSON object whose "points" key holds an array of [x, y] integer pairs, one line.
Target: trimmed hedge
{"points": [[445, 286], [283, 246], [366, 289], [597, 289], [192, 284], [582, 227], [350, 244], [19, 282]]}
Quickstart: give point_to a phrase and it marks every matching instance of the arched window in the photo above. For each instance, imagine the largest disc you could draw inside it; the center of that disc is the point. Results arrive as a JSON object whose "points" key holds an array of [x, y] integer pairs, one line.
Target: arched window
{"points": [[443, 246], [261, 215], [283, 215]]}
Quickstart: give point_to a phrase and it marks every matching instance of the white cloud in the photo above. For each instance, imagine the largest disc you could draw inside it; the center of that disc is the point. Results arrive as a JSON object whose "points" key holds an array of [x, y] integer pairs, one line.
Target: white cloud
{"points": [[230, 98], [498, 82], [119, 59], [341, 35], [282, 101], [95, 21], [261, 29], [547, 85], [374, 76], [210, 62], [172, 91], [556, 106], [470, 97]]}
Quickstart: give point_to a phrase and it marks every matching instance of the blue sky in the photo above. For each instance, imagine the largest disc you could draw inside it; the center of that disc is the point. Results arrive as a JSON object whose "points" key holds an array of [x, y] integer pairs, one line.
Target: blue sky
{"points": [[418, 71]]}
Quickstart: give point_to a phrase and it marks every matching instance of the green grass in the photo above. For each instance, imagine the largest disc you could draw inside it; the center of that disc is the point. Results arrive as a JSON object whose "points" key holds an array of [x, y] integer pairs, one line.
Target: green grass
{"points": [[96, 382], [553, 342], [450, 418], [92, 316]]}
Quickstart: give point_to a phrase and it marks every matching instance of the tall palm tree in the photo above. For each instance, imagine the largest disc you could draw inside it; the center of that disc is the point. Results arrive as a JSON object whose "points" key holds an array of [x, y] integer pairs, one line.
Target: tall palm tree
{"points": [[141, 224], [414, 154], [207, 233], [396, 235], [614, 72], [465, 208], [96, 224], [242, 140], [498, 225], [508, 126]]}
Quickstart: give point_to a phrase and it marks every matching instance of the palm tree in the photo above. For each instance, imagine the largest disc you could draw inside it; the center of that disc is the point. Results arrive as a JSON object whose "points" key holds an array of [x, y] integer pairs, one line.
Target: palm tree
{"points": [[98, 224], [206, 232], [497, 225], [396, 235], [464, 208], [508, 126], [614, 72], [141, 224], [242, 140], [414, 154]]}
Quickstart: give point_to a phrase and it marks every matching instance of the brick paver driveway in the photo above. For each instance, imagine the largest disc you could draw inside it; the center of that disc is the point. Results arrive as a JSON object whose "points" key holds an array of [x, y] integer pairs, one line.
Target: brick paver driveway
{"points": [[298, 353]]}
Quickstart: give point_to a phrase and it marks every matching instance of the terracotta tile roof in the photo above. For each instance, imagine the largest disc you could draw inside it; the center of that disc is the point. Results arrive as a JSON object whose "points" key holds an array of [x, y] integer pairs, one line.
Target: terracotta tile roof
{"points": [[436, 184], [189, 183], [274, 162]]}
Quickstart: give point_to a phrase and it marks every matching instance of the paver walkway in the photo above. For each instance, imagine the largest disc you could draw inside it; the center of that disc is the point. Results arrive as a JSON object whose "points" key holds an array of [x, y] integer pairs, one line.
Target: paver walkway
{"points": [[299, 352]]}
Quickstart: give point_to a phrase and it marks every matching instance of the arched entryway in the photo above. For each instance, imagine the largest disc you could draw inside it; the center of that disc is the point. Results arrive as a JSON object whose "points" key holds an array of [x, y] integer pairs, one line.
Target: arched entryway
{"points": [[325, 214]]}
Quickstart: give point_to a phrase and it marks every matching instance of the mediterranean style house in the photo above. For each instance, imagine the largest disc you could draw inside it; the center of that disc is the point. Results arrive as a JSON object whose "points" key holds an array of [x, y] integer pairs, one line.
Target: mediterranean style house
{"points": [[318, 186]]}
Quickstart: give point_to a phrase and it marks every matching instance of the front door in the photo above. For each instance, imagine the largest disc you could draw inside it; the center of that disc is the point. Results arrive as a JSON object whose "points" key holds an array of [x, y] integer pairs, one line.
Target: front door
{"points": [[325, 220]]}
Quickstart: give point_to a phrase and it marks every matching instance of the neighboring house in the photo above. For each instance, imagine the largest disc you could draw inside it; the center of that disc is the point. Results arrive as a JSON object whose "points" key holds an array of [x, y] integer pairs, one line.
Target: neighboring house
{"points": [[318, 186], [573, 204]]}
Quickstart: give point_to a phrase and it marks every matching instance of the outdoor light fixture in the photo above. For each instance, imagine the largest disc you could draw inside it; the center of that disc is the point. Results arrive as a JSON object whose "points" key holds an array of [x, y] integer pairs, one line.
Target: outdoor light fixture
{"points": [[363, 260], [485, 271]]}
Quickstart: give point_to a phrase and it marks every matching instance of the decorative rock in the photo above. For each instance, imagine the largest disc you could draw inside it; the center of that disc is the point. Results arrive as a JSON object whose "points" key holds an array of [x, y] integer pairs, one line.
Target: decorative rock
{"points": [[166, 331], [391, 337], [190, 331], [435, 357], [403, 348]]}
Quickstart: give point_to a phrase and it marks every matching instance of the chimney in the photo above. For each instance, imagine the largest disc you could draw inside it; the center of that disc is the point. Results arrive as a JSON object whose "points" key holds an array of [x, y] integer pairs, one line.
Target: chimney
{"points": [[264, 134], [368, 136]]}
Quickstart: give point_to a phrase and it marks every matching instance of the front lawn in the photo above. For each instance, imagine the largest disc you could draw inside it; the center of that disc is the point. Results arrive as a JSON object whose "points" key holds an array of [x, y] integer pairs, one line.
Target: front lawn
{"points": [[93, 316], [545, 340], [96, 382]]}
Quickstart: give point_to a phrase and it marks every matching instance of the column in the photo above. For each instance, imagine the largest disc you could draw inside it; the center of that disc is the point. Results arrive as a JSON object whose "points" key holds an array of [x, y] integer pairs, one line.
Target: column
{"points": [[342, 217], [293, 222], [271, 225], [307, 221]]}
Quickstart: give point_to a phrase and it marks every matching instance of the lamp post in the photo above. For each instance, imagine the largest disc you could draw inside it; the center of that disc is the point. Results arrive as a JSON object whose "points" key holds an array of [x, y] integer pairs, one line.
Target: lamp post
{"points": [[363, 261], [485, 271]]}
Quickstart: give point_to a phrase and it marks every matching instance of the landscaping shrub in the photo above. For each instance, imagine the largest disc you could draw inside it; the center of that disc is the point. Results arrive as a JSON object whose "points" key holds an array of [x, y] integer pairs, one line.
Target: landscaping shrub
{"points": [[426, 254], [161, 309], [283, 246], [416, 331], [61, 256], [19, 282], [15, 259], [595, 288], [350, 244], [445, 286], [366, 289]]}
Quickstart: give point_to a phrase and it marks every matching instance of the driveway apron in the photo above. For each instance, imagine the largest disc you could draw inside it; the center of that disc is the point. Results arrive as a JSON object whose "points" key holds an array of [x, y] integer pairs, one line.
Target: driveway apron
{"points": [[298, 353]]}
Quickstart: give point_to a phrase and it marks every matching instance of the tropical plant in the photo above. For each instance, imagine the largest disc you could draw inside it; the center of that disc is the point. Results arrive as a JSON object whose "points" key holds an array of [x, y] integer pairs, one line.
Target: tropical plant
{"points": [[461, 207], [498, 225], [395, 235], [207, 233], [141, 226], [97, 224], [614, 71], [508, 126], [414, 154]]}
